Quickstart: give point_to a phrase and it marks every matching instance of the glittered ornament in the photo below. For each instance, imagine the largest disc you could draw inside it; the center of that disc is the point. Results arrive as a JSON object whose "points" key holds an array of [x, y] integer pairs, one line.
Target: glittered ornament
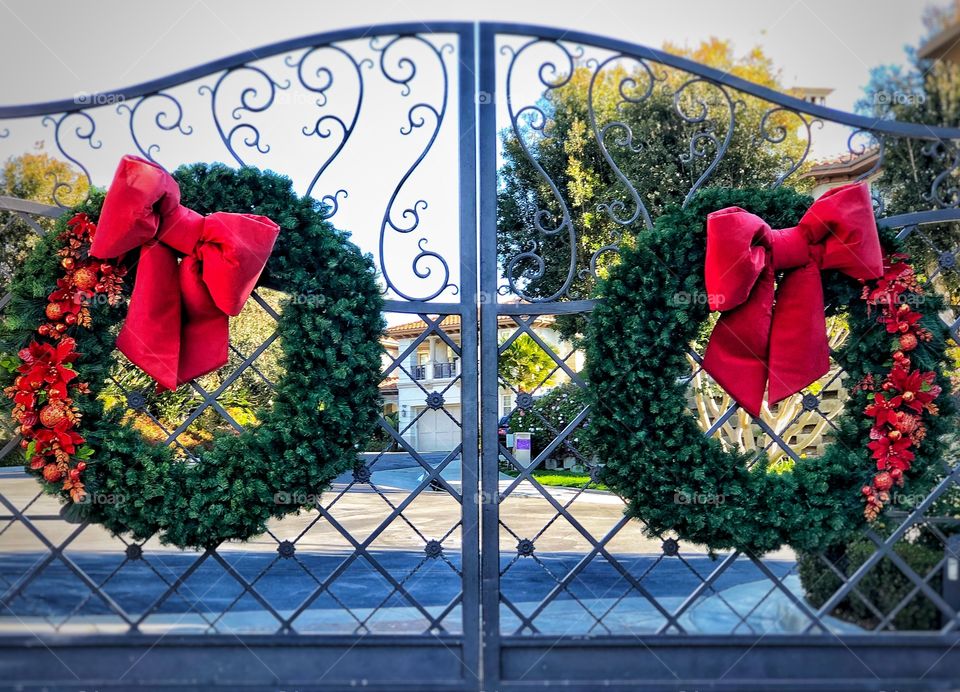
{"points": [[52, 473], [85, 278], [52, 415], [908, 342], [54, 311], [883, 481]]}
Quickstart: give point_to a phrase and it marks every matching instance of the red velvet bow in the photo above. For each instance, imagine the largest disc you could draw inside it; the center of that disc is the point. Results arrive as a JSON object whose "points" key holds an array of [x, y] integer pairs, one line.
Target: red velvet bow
{"points": [[755, 343], [177, 323]]}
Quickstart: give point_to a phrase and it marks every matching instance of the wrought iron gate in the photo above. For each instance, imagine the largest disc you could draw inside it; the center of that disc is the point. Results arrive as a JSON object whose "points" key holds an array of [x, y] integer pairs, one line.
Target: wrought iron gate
{"points": [[441, 561]]}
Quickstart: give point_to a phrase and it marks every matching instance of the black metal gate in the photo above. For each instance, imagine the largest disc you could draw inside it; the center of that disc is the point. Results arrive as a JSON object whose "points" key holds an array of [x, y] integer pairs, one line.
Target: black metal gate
{"points": [[441, 561]]}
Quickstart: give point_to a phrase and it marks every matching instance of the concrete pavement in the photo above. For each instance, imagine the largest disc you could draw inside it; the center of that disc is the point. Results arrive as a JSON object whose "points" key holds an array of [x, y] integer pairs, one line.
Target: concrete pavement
{"points": [[362, 596]]}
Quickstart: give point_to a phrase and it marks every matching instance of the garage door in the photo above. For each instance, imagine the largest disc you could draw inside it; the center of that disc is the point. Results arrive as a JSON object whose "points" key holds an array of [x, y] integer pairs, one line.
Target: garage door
{"points": [[436, 431]]}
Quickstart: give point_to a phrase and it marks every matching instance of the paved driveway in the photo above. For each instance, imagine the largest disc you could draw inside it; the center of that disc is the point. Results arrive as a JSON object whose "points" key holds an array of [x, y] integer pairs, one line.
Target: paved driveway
{"points": [[361, 596]]}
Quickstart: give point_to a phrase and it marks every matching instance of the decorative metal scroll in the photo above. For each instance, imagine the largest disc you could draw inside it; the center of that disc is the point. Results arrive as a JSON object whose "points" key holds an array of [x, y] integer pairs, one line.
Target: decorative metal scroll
{"points": [[326, 87], [710, 113]]}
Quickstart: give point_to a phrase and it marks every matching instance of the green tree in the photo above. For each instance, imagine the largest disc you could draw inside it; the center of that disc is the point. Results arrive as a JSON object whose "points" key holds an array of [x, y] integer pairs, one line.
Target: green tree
{"points": [[656, 161], [526, 366], [33, 177], [918, 175]]}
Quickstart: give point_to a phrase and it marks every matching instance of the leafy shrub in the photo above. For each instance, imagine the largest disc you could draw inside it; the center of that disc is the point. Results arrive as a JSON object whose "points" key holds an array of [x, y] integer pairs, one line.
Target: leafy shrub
{"points": [[380, 440], [884, 585], [547, 418]]}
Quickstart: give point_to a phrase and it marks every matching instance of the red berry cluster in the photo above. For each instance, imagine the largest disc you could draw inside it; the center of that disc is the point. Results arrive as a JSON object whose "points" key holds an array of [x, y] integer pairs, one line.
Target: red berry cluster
{"points": [[906, 393], [42, 392]]}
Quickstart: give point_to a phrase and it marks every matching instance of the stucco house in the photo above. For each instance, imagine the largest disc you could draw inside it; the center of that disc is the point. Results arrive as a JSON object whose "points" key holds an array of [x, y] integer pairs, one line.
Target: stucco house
{"points": [[434, 366]]}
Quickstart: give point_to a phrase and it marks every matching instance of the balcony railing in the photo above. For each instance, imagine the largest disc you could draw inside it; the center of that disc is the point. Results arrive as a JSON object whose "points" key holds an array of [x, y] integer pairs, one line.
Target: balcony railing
{"points": [[440, 371], [444, 370]]}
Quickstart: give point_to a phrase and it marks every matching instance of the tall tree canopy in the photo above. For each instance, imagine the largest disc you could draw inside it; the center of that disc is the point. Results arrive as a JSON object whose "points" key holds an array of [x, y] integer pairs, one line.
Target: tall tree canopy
{"points": [[916, 176], [658, 155]]}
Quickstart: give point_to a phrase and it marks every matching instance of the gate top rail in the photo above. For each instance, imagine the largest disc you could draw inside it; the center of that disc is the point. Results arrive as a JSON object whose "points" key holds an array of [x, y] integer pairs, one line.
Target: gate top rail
{"points": [[890, 127]]}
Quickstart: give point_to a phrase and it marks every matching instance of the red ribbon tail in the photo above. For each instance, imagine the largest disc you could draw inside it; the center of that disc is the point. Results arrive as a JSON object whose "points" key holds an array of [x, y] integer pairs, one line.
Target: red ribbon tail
{"points": [[736, 356], [799, 350], [150, 337], [205, 334], [741, 373]]}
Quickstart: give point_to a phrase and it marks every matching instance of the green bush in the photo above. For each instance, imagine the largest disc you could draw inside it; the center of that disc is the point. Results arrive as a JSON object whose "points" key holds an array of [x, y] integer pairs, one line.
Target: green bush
{"points": [[884, 585], [547, 418], [380, 440]]}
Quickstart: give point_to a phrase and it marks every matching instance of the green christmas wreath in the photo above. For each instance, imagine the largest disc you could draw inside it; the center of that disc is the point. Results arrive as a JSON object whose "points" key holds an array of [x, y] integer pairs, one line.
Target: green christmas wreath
{"points": [[322, 408], [677, 480]]}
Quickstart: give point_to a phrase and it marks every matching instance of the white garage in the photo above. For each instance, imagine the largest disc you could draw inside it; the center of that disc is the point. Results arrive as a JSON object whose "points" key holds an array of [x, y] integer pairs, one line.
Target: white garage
{"points": [[436, 431]]}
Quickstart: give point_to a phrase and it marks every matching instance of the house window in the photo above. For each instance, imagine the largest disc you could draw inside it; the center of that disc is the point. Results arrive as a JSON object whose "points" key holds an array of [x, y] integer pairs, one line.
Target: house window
{"points": [[506, 403]]}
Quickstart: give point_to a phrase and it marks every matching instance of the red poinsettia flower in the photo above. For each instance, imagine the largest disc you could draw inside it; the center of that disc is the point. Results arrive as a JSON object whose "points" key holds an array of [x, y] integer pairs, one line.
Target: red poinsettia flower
{"points": [[900, 321], [61, 435], [46, 364], [892, 453], [882, 410], [24, 397], [916, 390], [898, 278]]}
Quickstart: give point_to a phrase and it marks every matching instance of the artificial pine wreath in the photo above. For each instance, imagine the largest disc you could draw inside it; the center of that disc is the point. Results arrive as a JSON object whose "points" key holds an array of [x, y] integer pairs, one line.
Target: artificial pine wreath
{"points": [[887, 436], [56, 354]]}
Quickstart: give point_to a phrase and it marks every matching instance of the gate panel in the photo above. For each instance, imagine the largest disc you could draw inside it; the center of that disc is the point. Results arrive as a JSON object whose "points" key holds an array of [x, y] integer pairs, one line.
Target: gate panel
{"points": [[573, 590], [378, 583]]}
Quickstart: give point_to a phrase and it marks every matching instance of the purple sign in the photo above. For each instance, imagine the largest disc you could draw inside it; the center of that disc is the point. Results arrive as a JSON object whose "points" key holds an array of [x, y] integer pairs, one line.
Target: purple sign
{"points": [[523, 443]]}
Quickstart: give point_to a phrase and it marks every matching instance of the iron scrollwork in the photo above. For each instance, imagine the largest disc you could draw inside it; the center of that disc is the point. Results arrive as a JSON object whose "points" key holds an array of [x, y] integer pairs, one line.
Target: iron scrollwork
{"points": [[165, 120], [944, 191], [252, 100], [705, 139], [863, 142], [775, 132], [545, 221], [316, 75], [629, 83], [402, 70], [84, 131]]}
